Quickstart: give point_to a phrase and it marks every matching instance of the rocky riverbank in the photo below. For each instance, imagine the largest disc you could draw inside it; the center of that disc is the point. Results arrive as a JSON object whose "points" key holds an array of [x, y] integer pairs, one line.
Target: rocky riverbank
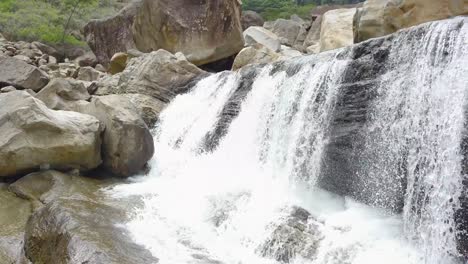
{"points": [[69, 129]]}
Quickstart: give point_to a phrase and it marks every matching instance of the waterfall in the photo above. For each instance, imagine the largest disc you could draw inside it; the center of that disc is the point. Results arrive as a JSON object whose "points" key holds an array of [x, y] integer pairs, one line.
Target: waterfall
{"points": [[367, 139]]}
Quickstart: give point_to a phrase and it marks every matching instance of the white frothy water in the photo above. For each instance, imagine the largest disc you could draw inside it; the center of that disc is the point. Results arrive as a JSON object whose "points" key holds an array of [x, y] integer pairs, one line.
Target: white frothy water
{"points": [[221, 206]]}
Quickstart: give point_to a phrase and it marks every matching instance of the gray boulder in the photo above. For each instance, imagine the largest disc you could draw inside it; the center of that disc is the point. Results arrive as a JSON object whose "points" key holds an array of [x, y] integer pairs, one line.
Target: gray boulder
{"points": [[127, 142], [88, 74], [204, 31], [158, 74], [60, 93], [254, 54], [251, 18], [289, 32], [298, 234], [21, 75], [35, 136], [148, 107], [262, 36]]}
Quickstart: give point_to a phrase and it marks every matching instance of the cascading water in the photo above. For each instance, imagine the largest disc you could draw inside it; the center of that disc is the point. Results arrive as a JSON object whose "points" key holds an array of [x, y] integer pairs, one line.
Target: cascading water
{"points": [[240, 200]]}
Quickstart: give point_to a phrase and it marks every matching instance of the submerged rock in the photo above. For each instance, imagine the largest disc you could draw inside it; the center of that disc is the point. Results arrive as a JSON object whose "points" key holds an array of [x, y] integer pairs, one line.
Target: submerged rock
{"points": [[297, 234], [13, 217], [35, 136], [73, 222], [204, 31]]}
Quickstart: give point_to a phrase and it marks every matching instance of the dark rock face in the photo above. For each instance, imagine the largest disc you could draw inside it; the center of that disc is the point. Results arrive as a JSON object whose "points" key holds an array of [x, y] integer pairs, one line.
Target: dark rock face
{"points": [[232, 108], [251, 18], [111, 35], [342, 170]]}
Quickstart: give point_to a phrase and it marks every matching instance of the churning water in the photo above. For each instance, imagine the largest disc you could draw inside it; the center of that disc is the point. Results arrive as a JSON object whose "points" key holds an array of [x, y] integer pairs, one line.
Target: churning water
{"points": [[236, 201]]}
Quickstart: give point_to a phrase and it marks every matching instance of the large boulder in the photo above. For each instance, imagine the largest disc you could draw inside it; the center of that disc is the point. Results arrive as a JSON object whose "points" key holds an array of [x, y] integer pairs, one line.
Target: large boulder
{"points": [[262, 36], [110, 35], [35, 136], [205, 31], [73, 223], [322, 9], [251, 18], [159, 74], [148, 107], [407, 13], [369, 21], [254, 54], [127, 142], [337, 29], [21, 75], [60, 93], [289, 32], [382, 17]]}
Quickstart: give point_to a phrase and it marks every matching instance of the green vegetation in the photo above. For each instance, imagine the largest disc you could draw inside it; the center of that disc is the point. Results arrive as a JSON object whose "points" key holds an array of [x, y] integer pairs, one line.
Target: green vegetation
{"points": [[50, 21], [274, 9]]}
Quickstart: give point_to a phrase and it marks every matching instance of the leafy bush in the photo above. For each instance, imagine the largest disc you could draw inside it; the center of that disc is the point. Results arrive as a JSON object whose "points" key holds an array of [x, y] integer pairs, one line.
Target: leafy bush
{"points": [[274, 9], [45, 20]]}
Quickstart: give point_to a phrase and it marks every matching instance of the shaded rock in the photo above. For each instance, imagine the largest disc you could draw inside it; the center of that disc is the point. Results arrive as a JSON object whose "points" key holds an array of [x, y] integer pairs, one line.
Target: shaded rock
{"points": [[297, 234], [35, 136], [88, 59], [19, 74], [288, 31], [60, 93], [159, 74], [30, 53], [251, 18], [110, 35], [312, 41], [262, 36], [254, 54], [147, 106], [46, 49], [127, 141], [118, 62], [70, 226], [205, 31], [88, 74], [337, 29]]}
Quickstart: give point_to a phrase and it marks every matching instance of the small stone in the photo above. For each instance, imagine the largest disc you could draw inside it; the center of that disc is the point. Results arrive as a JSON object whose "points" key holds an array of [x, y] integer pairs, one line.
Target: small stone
{"points": [[7, 89]]}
